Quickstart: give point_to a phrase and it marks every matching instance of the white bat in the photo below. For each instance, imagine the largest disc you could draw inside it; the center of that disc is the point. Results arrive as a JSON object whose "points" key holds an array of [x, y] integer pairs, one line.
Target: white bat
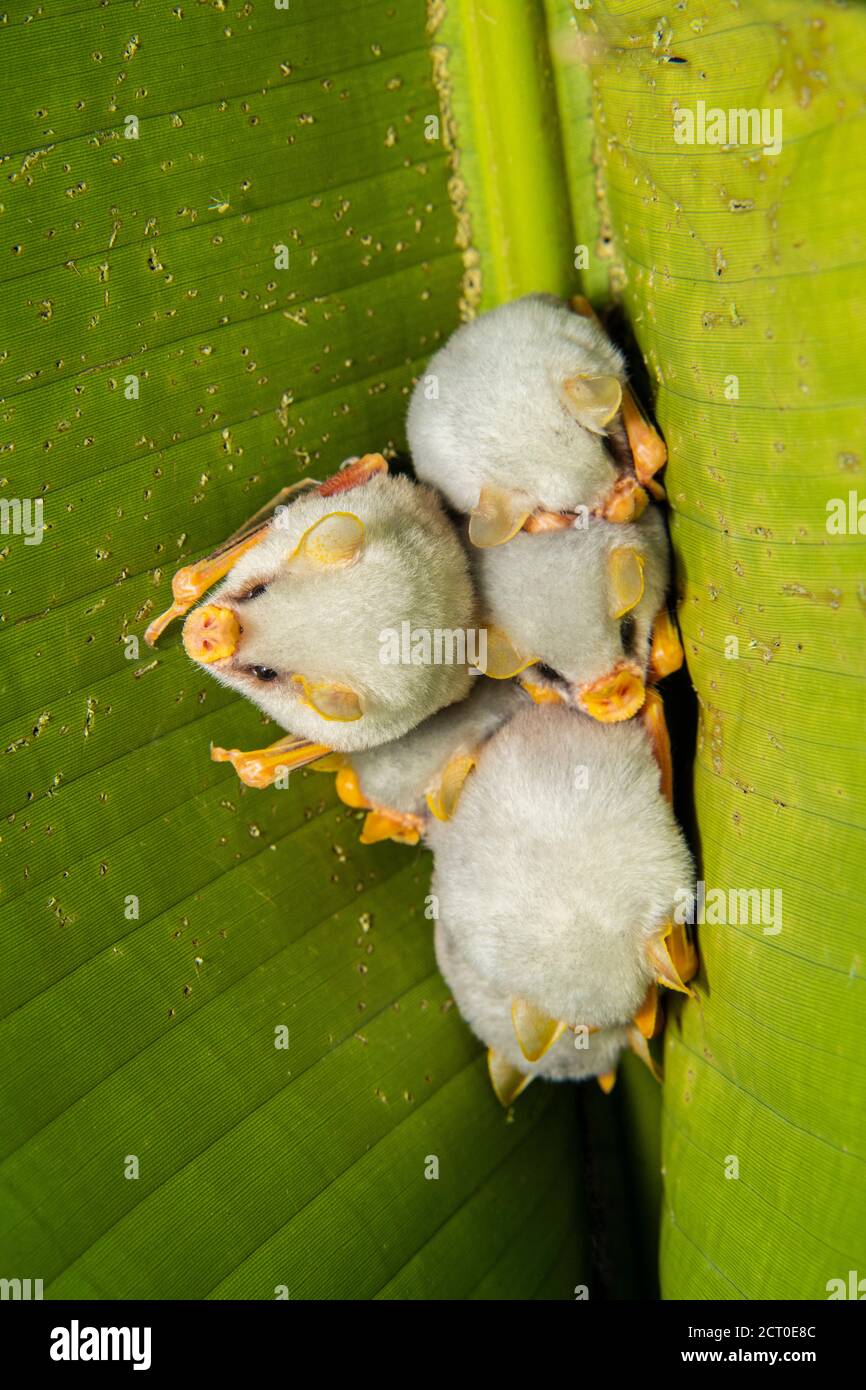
{"points": [[581, 613], [300, 622], [513, 417], [559, 871]]}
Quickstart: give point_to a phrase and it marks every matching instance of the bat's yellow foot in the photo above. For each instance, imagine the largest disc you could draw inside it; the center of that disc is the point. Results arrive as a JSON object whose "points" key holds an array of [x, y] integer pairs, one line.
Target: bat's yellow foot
{"points": [[625, 501], [638, 1044], [649, 450], [668, 954], [506, 1080], [656, 726], [389, 825], [682, 951], [647, 446], [262, 766], [607, 1081], [542, 694], [614, 697], [349, 789], [353, 475], [548, 521], [648, 1019], [192, 581], [666, 651]]}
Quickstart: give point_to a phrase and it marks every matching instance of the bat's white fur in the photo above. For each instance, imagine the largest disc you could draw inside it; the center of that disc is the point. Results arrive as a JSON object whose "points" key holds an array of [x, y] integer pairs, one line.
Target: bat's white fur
{"points": [[397, 775], [499, 417], [327, 623], [549, 888], [551, 593], [487, 1010]]}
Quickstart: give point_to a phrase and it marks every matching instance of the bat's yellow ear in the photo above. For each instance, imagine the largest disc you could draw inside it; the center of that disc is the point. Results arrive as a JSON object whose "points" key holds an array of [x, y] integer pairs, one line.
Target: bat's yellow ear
{"points": [[335, 702], [535, 1031], [443, 798], [501, 660], [335, 539], [625, 568], [592, 400], [497, 516]]}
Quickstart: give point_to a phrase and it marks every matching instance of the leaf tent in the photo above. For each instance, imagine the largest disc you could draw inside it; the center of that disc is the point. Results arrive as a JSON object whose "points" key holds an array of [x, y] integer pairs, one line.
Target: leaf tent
{"points": [[234, 235]]}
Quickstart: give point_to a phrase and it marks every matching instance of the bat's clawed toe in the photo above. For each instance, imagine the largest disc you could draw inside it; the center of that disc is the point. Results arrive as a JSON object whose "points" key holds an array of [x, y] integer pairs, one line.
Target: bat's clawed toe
{"points": [[673, 959], [349, 789], [640, 1047], [657, 729], [625, 502], [647, 446], [388, 825], [261, 767], [666, 651], [648, 1019], [542, 692]]}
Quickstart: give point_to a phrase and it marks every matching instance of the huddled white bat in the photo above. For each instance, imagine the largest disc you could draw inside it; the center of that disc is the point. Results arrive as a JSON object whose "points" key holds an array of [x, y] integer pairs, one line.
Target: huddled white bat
{"points": [[574, 1055], [297, 624], [402, 784], [581, 613], [558, 874], [524, 420]]}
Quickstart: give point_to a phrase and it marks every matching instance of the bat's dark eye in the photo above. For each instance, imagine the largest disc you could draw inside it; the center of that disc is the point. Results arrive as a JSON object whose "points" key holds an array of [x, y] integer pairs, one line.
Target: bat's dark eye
{"points": [[263, 673], [252, 593], [627, 633]]}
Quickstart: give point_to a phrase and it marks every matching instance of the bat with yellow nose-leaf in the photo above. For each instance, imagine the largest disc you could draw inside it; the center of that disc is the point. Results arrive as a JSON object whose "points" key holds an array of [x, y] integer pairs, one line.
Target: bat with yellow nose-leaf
{"points": [[305, 599], [581, 615]]}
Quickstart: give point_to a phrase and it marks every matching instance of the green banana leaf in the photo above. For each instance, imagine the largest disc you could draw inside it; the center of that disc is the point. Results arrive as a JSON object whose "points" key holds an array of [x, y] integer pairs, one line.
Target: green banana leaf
{"points": [[742, 275], [163, 929]]}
